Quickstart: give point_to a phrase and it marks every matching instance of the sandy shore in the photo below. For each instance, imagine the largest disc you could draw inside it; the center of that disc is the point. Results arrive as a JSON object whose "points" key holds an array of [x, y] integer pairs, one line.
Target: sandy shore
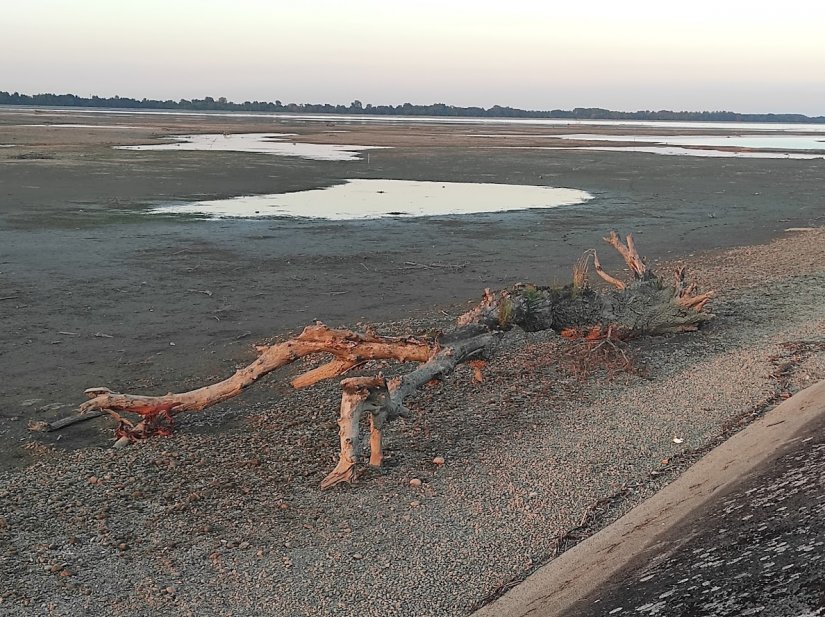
{"points": [[225, 517]]}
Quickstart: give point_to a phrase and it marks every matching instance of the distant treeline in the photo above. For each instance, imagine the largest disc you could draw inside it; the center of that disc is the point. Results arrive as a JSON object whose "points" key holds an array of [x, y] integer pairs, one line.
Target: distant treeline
{"points": [[407, 109]]}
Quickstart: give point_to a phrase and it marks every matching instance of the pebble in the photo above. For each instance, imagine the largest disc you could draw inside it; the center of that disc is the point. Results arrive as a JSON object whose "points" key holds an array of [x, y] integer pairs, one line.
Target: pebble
{"points": [[415, 482], [442, 552]]}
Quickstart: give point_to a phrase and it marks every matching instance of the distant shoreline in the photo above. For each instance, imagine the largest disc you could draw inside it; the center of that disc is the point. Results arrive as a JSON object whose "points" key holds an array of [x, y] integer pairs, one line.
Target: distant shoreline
{"points": [[209, 104], [332, 119]]}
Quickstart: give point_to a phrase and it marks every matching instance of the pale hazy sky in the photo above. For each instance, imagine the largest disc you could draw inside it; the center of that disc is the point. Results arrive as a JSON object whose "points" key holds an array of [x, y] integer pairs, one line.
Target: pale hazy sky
{"points": [[700, 55]]}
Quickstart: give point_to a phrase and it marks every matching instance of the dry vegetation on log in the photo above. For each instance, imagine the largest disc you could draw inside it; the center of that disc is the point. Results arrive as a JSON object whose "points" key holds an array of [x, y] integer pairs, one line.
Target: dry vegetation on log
{"points": [[646, 305]]}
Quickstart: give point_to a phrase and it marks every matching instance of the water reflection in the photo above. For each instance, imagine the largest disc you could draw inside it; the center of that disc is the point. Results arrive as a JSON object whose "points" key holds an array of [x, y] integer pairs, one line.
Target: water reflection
{"points": [[261, 143], [759, 142], [705, 152], [365, 199]]}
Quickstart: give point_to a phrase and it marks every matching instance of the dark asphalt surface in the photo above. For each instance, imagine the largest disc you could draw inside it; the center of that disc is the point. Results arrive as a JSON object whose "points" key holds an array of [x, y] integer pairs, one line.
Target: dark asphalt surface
{"points": [[757, 549]]}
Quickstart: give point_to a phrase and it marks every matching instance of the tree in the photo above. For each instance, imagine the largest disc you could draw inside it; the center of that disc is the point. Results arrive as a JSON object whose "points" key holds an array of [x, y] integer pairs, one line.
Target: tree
{"points": [[645, 306]]}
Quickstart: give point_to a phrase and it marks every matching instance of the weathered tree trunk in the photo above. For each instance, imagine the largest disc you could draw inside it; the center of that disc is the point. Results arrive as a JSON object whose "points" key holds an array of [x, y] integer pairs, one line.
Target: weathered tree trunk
{"points": [[349, 349], [645, 306]]}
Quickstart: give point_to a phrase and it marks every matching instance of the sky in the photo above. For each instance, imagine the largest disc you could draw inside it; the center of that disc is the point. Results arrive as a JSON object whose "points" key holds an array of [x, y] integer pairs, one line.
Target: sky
{"points": [[750, 57]]}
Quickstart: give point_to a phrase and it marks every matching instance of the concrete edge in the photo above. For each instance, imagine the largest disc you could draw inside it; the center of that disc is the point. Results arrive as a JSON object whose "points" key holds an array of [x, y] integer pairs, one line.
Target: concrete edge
{"points": [[571, 576]]}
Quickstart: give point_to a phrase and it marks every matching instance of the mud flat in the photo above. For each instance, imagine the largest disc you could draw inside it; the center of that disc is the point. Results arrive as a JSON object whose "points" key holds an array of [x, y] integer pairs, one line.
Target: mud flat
{"points": [[225, 517]]}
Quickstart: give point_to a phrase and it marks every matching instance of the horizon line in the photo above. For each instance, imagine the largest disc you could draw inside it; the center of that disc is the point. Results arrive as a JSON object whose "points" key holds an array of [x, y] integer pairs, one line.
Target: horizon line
{"points": [[209, 103]]}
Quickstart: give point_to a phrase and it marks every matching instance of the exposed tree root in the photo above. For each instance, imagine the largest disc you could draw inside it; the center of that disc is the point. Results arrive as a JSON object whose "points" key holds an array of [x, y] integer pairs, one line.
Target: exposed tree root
{"points": [[599, 349], [644, 306]]}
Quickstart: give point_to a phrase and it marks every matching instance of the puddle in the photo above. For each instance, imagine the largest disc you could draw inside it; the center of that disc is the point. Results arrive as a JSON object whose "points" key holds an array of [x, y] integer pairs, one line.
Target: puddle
{"points": [[260, 143], [677, 151], [773, 142], [366, 199], [792, 143]]}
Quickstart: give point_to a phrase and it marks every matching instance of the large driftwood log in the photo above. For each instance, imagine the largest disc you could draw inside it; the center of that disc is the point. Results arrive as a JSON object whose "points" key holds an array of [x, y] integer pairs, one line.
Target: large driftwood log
{"points": [[645, 306]]}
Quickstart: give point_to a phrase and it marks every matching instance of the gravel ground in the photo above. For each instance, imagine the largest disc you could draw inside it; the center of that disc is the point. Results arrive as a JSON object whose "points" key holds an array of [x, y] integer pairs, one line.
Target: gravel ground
{"points": [[232, 522], [754, 550]]}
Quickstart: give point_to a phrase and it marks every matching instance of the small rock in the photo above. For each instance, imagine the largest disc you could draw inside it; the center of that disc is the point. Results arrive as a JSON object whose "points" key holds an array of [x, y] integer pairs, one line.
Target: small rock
{"points": [[415, 503], [93, 480], [357, 556], [415, 482], [122, 546], [171, 344], [66, 572], [244, 545], [170, 590], [438, 460]]}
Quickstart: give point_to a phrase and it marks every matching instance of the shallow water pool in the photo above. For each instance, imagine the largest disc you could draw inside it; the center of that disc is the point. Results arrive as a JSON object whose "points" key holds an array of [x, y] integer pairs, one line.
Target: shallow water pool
{"points": [[366, 199], [261, 143], [765, 146], [705, 152]]}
